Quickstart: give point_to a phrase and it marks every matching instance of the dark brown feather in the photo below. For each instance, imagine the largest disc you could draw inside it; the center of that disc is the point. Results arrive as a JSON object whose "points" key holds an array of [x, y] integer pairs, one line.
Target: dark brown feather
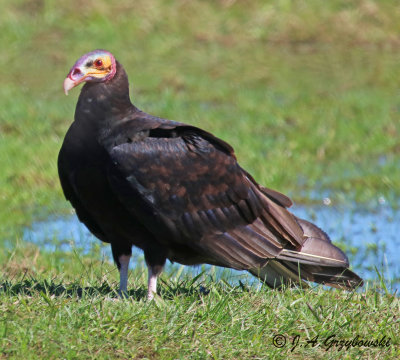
{"points": [[177, 191]]}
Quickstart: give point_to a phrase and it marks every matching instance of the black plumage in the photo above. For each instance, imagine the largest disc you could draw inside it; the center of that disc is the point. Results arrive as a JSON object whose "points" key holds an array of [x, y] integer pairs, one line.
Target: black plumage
{"points": [[178, 193]]}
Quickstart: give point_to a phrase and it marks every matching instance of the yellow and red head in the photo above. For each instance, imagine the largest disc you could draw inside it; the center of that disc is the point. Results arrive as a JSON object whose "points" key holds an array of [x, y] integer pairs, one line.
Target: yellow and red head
{"points": [[96, 66]]}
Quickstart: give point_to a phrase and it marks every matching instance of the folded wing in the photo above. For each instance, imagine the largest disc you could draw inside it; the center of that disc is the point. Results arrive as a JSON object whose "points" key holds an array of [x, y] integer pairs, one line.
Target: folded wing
{"points": [[187, 188]]}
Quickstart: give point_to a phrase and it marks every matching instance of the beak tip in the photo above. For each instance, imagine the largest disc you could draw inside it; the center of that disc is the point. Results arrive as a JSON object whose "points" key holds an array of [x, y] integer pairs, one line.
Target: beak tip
{"points": [[68, 85]]}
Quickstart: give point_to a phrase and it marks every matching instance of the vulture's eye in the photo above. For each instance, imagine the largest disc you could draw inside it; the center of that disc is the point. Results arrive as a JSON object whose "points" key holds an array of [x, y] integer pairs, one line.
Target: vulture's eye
{"points": [[98, 63]]}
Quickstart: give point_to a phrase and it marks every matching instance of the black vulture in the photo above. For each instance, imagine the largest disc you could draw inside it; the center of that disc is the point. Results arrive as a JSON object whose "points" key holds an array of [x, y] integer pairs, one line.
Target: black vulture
{"points": [[177, 192]]}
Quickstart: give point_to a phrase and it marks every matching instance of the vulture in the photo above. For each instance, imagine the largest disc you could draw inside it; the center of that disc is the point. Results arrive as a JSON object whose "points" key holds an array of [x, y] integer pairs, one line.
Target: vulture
{"points": [[177, 192]]}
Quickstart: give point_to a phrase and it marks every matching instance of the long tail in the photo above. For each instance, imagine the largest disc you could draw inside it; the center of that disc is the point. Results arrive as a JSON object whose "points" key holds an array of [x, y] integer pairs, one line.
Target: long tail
{"points": [[318, 260], [279, 248]]}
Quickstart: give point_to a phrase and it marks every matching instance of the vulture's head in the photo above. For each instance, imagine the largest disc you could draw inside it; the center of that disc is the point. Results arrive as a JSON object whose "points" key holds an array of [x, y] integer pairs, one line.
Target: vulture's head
{"points": [[96, 66]]}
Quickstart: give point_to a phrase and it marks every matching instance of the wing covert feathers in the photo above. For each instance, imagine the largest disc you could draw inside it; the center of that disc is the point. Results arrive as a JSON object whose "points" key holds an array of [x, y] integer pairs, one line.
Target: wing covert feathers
{"points": [[203, 199]]}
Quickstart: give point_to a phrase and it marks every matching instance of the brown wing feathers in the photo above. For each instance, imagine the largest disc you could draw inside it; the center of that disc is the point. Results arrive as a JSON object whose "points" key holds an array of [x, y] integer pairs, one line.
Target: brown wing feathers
{"points": [[177, 192], [210, 203]]}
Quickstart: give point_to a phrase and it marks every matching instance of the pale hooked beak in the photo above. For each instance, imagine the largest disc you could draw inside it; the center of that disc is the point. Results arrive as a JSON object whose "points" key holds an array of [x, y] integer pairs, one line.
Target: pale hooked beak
{"points": [[68, 85], [74, 78]]}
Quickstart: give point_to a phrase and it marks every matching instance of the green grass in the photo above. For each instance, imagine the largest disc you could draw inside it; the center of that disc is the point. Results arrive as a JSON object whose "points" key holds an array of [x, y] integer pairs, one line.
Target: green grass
{"points": [[69, 309], [307, 92]]}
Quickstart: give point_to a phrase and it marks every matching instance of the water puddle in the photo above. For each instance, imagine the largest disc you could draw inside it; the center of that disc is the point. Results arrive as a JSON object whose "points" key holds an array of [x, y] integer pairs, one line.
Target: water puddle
{"points": [[369, 235]]}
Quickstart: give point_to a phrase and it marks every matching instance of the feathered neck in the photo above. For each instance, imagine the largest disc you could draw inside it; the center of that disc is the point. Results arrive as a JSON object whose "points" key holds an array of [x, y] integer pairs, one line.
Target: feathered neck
{"points": [[104, 103]]}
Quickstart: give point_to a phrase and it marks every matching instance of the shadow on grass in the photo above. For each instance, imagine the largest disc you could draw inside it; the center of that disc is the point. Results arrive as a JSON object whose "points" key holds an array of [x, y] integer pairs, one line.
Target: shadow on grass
{"points": [[34, 287]]}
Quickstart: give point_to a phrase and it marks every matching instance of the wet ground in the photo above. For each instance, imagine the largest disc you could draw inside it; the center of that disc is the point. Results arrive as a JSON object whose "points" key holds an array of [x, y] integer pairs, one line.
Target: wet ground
{"points": [[369, 235]]}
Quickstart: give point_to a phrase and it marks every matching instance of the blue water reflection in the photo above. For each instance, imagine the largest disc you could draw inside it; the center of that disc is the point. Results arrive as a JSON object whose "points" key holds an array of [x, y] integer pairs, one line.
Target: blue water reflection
{"points": [[369, 235]]}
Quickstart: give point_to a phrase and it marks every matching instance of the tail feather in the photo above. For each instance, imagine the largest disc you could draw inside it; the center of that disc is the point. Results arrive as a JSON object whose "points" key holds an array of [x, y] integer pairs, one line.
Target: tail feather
{"points": [[339, 277], [280, 249], [275, 274], [284, 273], [318, 260]]}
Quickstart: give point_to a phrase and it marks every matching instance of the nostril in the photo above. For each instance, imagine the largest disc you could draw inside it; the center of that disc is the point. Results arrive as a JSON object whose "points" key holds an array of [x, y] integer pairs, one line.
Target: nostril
{"points": [[76, 72]]}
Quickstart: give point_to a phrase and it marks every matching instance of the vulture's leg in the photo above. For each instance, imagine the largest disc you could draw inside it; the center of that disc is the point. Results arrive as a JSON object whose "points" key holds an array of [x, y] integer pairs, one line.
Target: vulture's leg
{"points": [[155, 260], [154, 271], [121, 258], [123, 274]]}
